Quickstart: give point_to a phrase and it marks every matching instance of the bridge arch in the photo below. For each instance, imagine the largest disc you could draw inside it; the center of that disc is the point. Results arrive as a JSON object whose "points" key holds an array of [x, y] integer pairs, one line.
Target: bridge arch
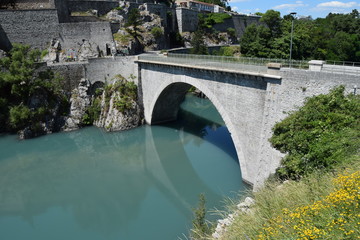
{"points": [[169, 95]]}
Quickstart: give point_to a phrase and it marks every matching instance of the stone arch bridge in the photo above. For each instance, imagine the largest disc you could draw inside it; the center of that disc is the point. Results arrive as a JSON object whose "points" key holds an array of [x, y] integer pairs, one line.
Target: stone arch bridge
{"points": [[250, 99]]}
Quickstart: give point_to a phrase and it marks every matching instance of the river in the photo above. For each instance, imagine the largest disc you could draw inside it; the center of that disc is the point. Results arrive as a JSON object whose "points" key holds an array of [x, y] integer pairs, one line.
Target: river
{"points": [[136, 184]]}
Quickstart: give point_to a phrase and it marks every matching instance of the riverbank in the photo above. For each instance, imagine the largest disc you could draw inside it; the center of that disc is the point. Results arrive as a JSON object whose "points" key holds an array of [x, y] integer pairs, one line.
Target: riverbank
{"points": [[315, 192]]}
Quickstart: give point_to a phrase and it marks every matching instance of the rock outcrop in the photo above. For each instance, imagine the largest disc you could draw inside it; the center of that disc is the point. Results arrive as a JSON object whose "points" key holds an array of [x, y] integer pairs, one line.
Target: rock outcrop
{"points": [[111, 119], [150, 34], [80, 101], [242, 208], [116, 111]]}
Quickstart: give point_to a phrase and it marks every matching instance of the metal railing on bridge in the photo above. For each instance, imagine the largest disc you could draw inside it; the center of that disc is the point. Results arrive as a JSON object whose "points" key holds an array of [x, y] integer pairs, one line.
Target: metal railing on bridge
{"points": [[258, 65]]}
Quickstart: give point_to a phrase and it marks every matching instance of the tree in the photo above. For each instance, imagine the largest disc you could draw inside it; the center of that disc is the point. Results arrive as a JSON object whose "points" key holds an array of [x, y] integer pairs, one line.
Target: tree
{"points": [[197, 43], [21, 82], [200, 229], [133, 22], [273, 20]]}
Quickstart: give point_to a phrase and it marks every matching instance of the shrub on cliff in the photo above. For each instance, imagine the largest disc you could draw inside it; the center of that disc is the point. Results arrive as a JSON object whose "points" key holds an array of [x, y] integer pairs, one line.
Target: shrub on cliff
{"points": [[27, 93], [319, 135]]}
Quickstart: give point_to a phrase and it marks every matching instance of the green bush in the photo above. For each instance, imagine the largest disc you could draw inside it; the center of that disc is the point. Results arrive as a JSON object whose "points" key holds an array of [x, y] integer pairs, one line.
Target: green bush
{"points": [[319, 135], [20, 81], [19, 116], [200, 228], [157, 32], [210, 19], [231, 31]]}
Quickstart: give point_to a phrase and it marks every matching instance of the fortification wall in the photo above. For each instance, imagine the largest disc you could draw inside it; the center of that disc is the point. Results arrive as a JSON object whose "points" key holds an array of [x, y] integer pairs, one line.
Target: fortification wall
{"points": [[104, 69], [187, 19], [73, 34], [72, 73], [158, 9], [241, 22], [34, 27]]}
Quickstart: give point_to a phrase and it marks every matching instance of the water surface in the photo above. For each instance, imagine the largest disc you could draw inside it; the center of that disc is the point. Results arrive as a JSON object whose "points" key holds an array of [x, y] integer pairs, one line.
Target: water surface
{"points": [[137, 184]]}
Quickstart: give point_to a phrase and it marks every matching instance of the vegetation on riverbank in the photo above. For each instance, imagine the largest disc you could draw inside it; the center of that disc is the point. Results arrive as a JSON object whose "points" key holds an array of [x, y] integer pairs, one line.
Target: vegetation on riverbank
{"points": [[315, 192], [30, 96]]}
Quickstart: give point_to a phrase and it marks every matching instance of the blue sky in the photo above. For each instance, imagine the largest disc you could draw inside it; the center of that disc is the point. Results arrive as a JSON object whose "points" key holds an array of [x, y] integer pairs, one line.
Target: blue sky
{"points": [[315, 8]]}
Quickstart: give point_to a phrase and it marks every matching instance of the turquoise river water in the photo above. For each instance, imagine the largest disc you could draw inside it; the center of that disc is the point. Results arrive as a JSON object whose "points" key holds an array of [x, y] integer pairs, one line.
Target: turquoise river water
{"points": [[131, 185]]}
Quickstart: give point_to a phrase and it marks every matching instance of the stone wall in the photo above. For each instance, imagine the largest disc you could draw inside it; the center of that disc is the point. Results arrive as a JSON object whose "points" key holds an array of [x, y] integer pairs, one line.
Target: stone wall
{"points": [[242, 21], [238, 22], [71, 35], [187, 19], [34, 27], [104, 69], [72, 73], [158, 9]]}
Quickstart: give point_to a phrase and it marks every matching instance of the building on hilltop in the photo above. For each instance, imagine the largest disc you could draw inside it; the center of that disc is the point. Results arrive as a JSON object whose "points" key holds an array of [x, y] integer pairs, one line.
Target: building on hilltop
{"points": [[199, 6]]}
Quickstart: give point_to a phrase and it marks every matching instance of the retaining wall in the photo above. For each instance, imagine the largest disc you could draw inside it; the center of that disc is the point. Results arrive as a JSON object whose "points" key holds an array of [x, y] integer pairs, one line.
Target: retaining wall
{"points": [[71, 35], [34, 27]]}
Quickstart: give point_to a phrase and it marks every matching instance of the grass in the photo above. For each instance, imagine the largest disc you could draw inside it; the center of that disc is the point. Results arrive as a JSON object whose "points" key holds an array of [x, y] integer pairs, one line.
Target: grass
{"points": [[122, 39], [320, 206]]}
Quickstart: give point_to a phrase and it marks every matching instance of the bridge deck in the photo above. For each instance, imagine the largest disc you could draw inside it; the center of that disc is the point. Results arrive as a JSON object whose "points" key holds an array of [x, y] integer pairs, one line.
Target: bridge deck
{"points": [[208, 64]]}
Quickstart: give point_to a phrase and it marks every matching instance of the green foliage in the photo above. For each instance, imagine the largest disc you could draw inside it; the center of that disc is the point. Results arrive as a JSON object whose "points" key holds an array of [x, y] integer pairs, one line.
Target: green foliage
{"points": [[157, 32], [127, 91], [319, 135], [336, 37], [231, 31], [133, 22], [200, 229], [118, 8], [210, 19], [229, 51], [197, 42], [93, 112], [19, 116], [21, 81]]}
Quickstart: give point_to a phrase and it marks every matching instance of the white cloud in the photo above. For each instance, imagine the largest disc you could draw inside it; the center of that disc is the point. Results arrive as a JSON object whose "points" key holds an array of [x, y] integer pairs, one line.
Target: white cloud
{"points": [[337, 4], [290, 5], [234, 9]]}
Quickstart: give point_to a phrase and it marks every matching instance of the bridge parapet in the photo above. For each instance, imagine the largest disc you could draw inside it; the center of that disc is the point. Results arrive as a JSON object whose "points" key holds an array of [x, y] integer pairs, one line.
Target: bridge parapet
{"points": [[210, 63]]}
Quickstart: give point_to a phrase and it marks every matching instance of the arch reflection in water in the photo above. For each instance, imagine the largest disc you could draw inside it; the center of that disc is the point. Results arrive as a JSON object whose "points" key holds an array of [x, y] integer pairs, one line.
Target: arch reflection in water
{"points": [[94, 185]]}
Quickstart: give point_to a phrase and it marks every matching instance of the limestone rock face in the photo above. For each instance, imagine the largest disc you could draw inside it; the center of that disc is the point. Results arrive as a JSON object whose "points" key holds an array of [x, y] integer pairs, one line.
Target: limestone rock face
{"points": [[88, 50], [80, 101], [111, 119]]}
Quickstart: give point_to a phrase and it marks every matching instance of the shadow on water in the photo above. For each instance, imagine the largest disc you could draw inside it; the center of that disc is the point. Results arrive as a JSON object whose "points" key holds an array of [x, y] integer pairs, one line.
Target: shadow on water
{"points": [[199, 117], [109, 184]]}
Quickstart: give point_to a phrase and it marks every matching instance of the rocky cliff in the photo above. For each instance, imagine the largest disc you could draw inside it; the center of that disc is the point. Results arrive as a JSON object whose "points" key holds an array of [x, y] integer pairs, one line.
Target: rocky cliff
{"points": [[113, 107]]}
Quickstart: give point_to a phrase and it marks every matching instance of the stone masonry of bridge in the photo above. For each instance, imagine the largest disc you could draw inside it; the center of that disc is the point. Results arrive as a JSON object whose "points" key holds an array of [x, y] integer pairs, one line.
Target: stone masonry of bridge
{"points": [[249, 103]]}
